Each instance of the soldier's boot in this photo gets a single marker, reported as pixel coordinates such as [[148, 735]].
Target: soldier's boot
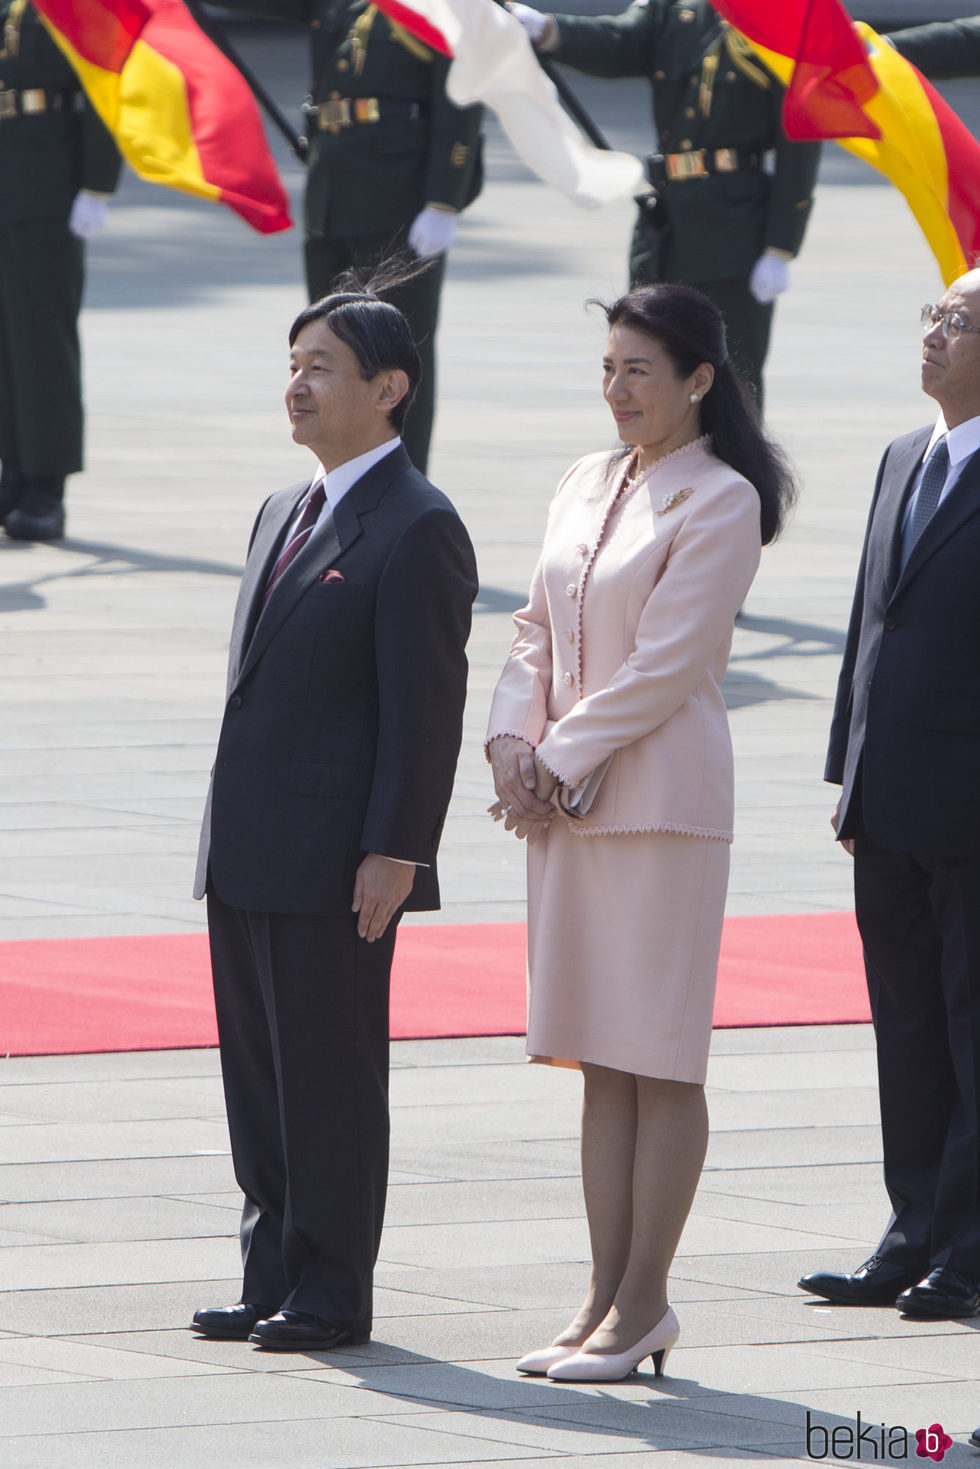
[[40, 516], [11, 488]]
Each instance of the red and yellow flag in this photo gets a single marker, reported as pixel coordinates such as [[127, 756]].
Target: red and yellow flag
[[180, 112], [842, 81]]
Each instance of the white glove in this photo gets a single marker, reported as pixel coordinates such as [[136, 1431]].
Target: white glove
[[536, 24], [769, 278], [88, 215], [432, 231]]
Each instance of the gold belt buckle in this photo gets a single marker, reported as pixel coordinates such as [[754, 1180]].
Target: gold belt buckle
[[366, 109], [686, 166], [333, 115], [33, 100], [726, 160], [8, 105]]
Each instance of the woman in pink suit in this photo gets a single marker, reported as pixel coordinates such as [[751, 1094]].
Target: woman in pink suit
[[611, 753]]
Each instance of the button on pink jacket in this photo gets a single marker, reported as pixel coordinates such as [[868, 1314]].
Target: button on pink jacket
[[624, 642]]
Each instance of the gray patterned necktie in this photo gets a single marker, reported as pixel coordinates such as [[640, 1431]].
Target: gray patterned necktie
[[927, 498]]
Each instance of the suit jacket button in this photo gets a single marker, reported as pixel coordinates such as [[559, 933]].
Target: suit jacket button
[[567, 678], [236, 701], [571, 590], [890, 624]]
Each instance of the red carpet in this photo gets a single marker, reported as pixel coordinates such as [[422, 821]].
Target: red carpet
[[61, 996]]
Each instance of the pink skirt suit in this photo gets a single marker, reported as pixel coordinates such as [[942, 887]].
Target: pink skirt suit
[[620, 653]]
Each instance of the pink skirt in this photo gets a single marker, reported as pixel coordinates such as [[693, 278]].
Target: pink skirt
[[623, 939]]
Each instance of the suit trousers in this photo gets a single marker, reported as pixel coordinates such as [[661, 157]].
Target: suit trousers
[[418, 298], [41, 280], [919, 919], [302, 1006]]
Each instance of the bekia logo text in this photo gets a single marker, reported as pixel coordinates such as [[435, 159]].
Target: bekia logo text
[[874, 1441]]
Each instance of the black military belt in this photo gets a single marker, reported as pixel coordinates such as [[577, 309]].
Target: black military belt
[[33, 100], [702, 163], [344, 112]]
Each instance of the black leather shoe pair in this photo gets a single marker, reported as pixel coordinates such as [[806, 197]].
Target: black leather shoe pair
[[229, 1323], [875, 1283], [942, 1295], [296, 1331]]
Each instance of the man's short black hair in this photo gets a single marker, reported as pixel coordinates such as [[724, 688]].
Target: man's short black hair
[[376, 332]]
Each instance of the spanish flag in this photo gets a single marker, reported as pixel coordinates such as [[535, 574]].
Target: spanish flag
[[842, 81], [180, 113]]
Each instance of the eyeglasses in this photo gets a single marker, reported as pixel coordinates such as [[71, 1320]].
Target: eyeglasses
[[953, 322]]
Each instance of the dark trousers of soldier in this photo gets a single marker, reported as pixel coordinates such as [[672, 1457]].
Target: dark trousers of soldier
[[748, 324], [417, 298], [41, 280]]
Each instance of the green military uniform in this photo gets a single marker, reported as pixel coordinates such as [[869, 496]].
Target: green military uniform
[[385, 141], [718, 209], [942, 50], [51, 145]]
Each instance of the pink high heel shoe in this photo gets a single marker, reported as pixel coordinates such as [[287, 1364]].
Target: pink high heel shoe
[[614, 1366], [536, 1364]]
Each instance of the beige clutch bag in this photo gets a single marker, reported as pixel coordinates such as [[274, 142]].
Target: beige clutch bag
[[577, 801]]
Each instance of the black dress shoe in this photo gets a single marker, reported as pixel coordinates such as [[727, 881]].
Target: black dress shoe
[[943, 1294], [295, 1331], [228, 1323], [975, 1438], [875, 1283], [42, 525]]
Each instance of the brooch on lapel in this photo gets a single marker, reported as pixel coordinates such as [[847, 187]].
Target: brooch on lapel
[[674, 498], [331, 575]]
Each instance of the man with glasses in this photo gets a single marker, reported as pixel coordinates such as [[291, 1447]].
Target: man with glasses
[[905, 746]]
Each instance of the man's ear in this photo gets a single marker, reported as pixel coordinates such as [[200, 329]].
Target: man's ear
[[392, 387]]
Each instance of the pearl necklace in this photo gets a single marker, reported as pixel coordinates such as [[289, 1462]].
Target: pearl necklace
[[631, 481]]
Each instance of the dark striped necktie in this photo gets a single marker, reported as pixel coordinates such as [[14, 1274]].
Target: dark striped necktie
[[927, 496], [299, 538]]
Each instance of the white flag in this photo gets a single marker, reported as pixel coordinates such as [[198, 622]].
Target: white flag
[[494, 63]]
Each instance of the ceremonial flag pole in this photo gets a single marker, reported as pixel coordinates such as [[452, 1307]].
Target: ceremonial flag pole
[[214, 32]]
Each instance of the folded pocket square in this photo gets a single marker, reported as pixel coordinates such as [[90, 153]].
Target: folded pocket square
[[331, 575]]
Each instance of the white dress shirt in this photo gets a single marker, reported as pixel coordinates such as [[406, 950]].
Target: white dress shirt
[[336, 482]]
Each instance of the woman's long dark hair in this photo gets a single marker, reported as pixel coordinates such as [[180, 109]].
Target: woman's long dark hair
[[690, 329]]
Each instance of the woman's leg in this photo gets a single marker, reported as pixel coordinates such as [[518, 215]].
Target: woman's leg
[[608, 1150], [671, 1140]]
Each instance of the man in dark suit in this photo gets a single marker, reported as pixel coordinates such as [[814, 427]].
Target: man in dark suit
[[334, 770], [905, 746]]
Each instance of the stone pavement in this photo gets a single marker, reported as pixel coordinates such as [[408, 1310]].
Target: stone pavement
[[121, 1208]]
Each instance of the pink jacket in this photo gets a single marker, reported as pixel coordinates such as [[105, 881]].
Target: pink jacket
[[624, 642]]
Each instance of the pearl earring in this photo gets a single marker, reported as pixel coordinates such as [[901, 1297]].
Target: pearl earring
[[695, 398]]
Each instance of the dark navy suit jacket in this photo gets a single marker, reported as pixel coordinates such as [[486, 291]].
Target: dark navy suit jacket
[[906, 726], [345, 698]]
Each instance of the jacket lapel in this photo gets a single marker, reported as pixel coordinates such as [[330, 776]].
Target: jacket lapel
[[960, 504], [262, 555], [901, 471], [335, 533]]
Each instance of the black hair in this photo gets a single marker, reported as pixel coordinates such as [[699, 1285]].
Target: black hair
[[376, 331], [690, 329]]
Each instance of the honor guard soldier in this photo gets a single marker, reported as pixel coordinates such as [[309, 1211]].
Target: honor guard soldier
[[391, 164], [57, 165], [942, 50], [717, 217]]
